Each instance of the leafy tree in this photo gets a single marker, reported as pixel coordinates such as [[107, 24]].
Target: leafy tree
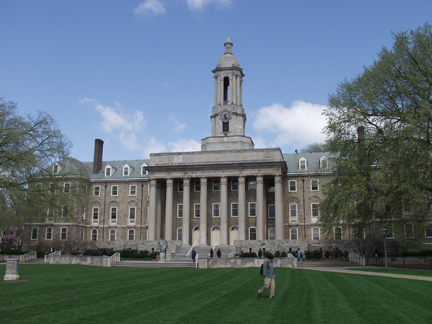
[[314, 147], [379, 125], [30, 190]]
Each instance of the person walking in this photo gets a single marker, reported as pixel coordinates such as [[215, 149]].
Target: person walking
[[219, 253], [269, 277], [260, 253], [299, 255], [193, 254], [240, 253], [104, 253], [211, 253]]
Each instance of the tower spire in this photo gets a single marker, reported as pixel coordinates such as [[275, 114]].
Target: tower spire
[[228, 46]]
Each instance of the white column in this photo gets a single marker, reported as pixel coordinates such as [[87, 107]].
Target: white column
[[221, 89], [158, 211], [233, 89], [242, 208], [238, 90], [279, 223], [169, 210], [216, 90], [186, 212], [224, 211], [259, 207], [203, 212], [151, 218]]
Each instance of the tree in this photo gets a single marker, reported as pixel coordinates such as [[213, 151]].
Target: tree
[[379, 125], [30, 190], [314, 147]]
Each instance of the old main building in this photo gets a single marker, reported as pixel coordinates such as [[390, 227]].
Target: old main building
[[229, 193]]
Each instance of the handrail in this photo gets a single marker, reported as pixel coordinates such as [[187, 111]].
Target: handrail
[[193, 245], [196, 261]]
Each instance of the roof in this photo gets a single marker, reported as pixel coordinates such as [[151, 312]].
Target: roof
[[312, 159]]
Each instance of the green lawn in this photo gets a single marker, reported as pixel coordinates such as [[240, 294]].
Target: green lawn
[[83, 294]]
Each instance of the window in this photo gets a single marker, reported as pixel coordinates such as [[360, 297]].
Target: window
[[65, 211], [144, 169], [51, 213], [197, 210], [315, 234], [389, 233], [114, 190], [293, 233], [96, 191], [132, 215], [82, 234], [272, 234], [292, 185], [95, 214], [131, 235], [234, 210], [252, 209], [132, 190], [51, 188], [66, 188], [108, 171], [409, 230], [234, 185], [197, 185], [324, 163], [180, 186], [125, 171], [48, 235], [271, 211], [315, 210], [180, 210], [293, 210], [271, 186], [216, 185], [302, 164], [252, 185], [39, 187], [216, 210], [94, 236], [112, 235], [338, 233], [63, 234], [252, 234], [113, 214], [429, 230], [314, 185], [34, 235], [179, 234], [56, 168], [225, 127]]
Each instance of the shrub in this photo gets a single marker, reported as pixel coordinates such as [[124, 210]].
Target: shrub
[[249, 255], [13, 252], [315, 254], [277, 254], [284, 254], [40, 253]]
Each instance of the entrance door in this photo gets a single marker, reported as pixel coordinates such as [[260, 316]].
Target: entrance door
[[196, 235], [233, 234], [215, 236]]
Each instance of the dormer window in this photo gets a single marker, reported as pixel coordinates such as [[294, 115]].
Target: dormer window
[[324, 163], [108, 171], [56, 168], [303, 164], [125, 170], [144, 169]]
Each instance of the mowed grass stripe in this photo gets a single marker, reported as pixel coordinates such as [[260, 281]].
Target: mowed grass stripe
[[71, 294]]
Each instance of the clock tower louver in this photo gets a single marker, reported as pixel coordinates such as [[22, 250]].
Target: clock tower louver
[[228, 118]]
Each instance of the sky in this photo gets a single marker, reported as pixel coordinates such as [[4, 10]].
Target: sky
[[137, 74]]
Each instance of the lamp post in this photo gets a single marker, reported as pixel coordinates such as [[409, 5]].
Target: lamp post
[[384, 230]]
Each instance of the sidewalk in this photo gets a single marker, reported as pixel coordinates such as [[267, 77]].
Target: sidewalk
[[365, 273]]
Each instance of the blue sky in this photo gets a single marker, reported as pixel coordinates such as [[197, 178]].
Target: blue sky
[[137, 74]]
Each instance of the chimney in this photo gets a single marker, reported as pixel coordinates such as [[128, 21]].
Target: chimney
[[97, 162]]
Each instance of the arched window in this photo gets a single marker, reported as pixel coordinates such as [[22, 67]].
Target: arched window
[[112, 235], [94, 236]]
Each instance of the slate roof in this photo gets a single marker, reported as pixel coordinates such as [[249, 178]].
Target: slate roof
[[313, 162]]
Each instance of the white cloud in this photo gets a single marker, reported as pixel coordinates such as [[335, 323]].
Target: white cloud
[[183, 145], [115, 121], [300, 124], [153, 146], [200, 4], [176, 126], [148, 7]]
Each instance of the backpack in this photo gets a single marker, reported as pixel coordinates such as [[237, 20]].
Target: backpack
[[262, 268]]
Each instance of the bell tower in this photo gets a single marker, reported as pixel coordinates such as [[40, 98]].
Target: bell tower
[[228, 118]]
